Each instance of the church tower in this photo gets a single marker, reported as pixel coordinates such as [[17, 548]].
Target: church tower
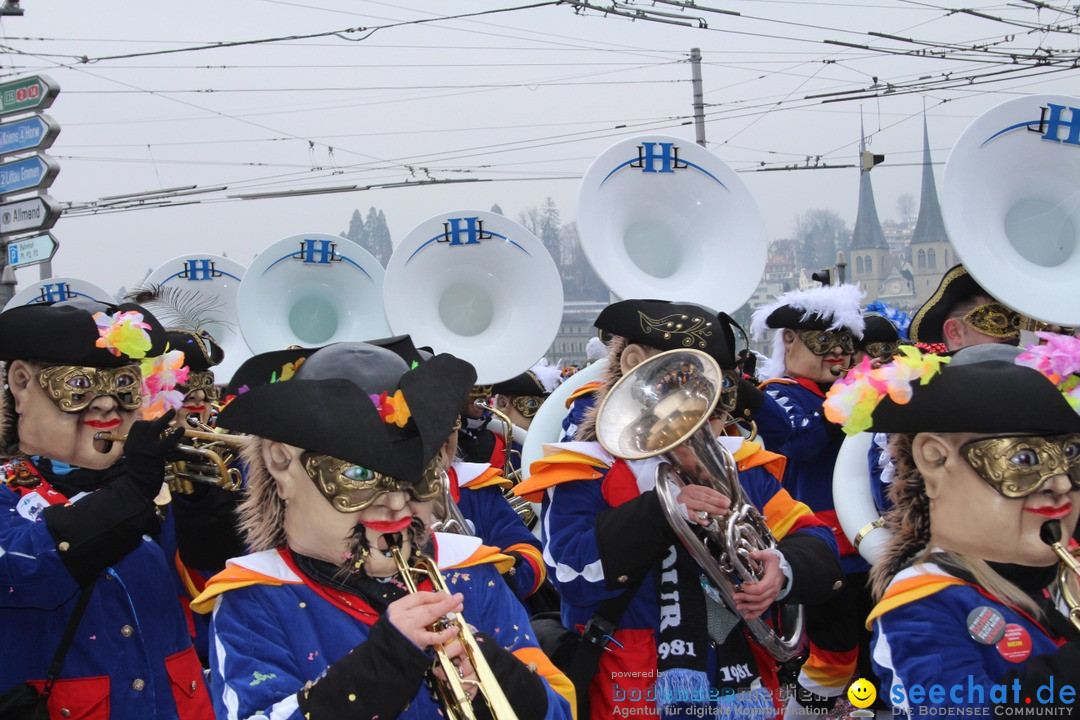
[[931, 252], [870, 260]]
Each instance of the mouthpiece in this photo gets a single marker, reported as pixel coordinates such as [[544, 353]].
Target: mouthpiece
[[1050, 532]]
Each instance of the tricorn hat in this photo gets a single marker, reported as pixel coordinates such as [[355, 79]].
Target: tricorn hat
[[360, 403], [200, 350], [829, 307], [878, 329], [672, 326], [956, 286], [67, 333]]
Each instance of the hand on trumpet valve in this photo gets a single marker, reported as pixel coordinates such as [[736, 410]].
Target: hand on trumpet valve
[[456, 652], [702, 502], [417, 616], [754, 598]]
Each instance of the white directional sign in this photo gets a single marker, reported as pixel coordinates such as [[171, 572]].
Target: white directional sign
[[32, 250], [38, 213]]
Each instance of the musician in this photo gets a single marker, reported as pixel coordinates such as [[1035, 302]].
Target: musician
[[201, 354], [519, 398], [961, 313], [605, 535], [960, 588], [80, 530], [879, 340], [476, 443], [814, 343], [316, 622]]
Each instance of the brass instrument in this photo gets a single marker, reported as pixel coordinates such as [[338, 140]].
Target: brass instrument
[[452, 691], [447, 515], [520, 505], [209, 450], [662, 407], [1068, 577]]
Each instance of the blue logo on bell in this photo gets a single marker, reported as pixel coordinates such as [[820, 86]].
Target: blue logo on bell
[[1050, 124], [659, 158], [473, 231], [200, 269], [321, 252], [54, 292]]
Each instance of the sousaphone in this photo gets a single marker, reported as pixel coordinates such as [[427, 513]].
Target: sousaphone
[[311, 290], [479, 286], [212, 282], [661, 217], [58, 289]]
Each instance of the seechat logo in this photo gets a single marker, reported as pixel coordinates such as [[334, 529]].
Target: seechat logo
[[659, 158], [1056, 123]]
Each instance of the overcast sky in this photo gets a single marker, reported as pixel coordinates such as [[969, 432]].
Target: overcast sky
[[526, 98]]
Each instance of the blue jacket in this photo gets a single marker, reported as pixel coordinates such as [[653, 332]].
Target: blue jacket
[[274, 632], [132, 655]]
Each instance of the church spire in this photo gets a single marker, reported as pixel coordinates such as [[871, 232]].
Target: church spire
[[929, 227], [867, 234]]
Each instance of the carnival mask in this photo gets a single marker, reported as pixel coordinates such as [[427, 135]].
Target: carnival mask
[[201, 381], [822, 342], [1018, 466], [72, 388], [352, 488], [994, 320]]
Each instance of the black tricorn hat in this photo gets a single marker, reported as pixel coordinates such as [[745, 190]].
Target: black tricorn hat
[[671, 326], [927, 326], [524, 384], [200, 351], [994, 396], [329, 407], [878, 329], [65, 333]]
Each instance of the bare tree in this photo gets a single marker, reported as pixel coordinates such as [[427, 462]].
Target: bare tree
[[906, 208]]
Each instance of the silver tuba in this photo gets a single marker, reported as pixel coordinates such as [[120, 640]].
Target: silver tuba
[[662, 408]]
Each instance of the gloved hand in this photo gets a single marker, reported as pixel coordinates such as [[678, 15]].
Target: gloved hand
[[148, 446]]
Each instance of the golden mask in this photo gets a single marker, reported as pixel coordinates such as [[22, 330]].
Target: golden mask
[[883, 351], [351, 488], [527, 405], [995, 320], [822, 342], [72, 388], [729, 390], [1018, 466], [201, 380]]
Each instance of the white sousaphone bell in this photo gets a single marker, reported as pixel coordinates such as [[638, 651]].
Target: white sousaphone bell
[[57, 289], [213, 281], [1010, 198], [479, 286], [311, 290], [661, 217]]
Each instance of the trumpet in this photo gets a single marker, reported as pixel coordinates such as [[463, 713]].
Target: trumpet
[[1068, 577], [452, 691], [519, 504], [208, 449]]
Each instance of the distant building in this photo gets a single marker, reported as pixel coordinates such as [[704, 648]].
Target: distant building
[[870, 259], [574, 332], [931, 252]]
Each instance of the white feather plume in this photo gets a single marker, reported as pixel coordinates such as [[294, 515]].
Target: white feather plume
[[839, 304], [549, 375]]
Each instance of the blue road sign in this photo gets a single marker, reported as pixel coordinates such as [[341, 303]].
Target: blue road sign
[[33, 133], [29, 173]]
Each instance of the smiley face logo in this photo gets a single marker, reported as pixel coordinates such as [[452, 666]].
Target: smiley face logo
[[862, 693]]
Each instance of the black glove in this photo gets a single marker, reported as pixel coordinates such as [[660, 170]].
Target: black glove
[[748, 400], [147, 450]]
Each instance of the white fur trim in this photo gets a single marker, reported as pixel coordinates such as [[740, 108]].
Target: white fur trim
[[549, 376], [775, 366]]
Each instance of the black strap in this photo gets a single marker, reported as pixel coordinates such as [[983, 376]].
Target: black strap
[[65, 642], [599, 631]]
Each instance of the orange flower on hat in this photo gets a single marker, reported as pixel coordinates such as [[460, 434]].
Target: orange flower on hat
[[392, 408]]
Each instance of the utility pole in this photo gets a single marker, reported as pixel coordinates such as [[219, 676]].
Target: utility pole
[[699, 99]]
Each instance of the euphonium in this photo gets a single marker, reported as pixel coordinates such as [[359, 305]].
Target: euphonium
[[452, 693], [1068, 577], [662, 407], [214, 450], [447, 515], [520, 505]]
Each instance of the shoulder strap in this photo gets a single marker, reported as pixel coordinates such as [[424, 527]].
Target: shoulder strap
[[65, 642]]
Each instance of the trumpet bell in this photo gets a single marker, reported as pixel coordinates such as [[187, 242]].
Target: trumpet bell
[[58, 289], [1010, 199], [661, 217], [216, 281], [311, 290], [479, 286]]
